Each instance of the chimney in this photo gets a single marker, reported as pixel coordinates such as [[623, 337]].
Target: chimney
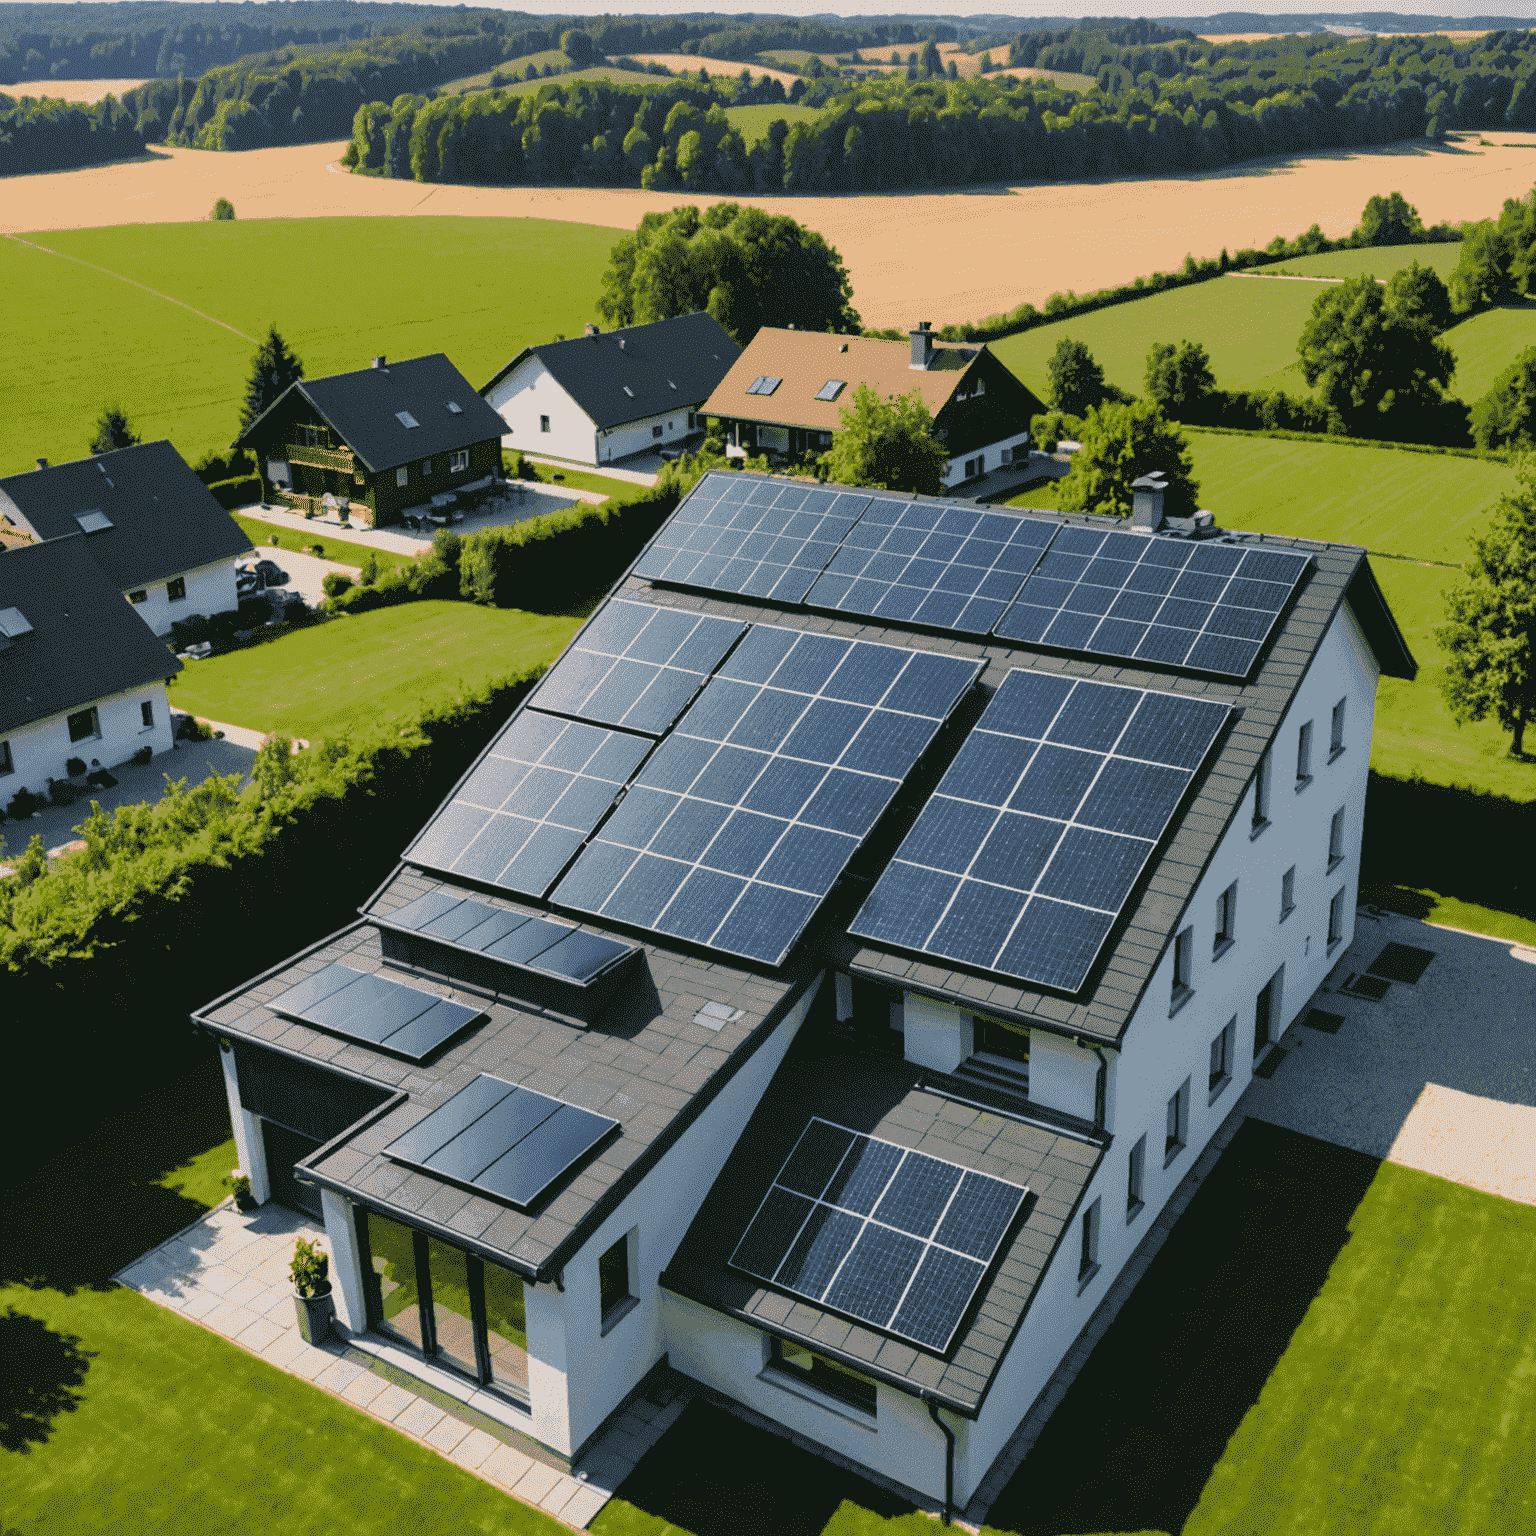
[[1147, 502], [1205, 525], [592, 330], [42, 463], [922, 345], [622, 342], [378, 362]]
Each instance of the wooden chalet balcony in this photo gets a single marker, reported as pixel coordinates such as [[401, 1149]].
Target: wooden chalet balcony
[[321, 458]]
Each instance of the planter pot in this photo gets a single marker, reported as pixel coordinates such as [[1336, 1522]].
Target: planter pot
[[245, 1206], [314, 1314]]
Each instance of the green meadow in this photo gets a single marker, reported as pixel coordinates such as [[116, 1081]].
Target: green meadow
[[165, 319], [752, 123]]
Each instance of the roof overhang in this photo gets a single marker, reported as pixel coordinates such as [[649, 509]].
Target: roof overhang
[[1369, 605]]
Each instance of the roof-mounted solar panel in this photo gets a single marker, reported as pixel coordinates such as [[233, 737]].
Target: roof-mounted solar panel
[[375, 1010], [94, 521]]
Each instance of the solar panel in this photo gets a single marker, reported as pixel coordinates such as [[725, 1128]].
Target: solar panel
[[637, 666], [530, 803], [1023, 857], [753, 538], [746, 815], [502, 1140], [932, 562], [888, 1236], [375, 1010], [1168, 602]]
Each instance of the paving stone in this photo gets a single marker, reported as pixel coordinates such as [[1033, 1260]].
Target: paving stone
[[391, 1402], [309, 1362], [420, 1418], [535, 1483], [579, 1509], [228, 1319], [445, 1434], [247, 1292], [560, 1494], [200, 1304], [260, 1336], [365, 1389], [506, 1465], [474, 1449], [217, 1280], [338, 1376]]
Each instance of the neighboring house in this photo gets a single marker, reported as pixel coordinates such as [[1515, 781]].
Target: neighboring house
[[378, 442], [601, 397], [827, 976], [151, 525], [80, 676], [787, 391]]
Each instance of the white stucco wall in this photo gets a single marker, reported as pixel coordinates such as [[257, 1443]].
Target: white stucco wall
[[1062, 1075], [210, 590], [936, 1035], [40, 750], [992, 453]]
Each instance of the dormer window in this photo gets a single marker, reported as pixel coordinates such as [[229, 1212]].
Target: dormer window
[[406, 419], [763, 384], [831, 389], [93, 521]]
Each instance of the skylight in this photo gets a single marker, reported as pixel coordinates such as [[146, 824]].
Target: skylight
[[831, 389], [628, 391], [763, 384], [406, 419], [455, 408], [93, 521], [13, 622]]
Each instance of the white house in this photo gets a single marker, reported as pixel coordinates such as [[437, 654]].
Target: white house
[[849, 1103], [604, 396], [151, 525], [80, 677]]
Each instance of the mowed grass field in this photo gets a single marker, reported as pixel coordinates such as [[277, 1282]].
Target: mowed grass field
[[752, 123], [83, 332]]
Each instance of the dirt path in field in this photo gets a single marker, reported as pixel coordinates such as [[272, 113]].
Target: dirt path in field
[[943, 256], [85, 91]]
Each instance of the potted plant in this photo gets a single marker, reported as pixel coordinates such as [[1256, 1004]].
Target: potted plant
[[311, 1290], [240, 1186]]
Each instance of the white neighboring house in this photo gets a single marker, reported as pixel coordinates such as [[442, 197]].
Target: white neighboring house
[[152, 526], [80, 677], [603, 396], [1096, 1094]]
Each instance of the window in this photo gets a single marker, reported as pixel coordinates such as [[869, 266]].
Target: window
[[1183, 962], [1177, 1135], [1088, 1259], [402, 475], [454, 408], [1336, 919], [314, 437], [693, 420], [615, 1295], [655, 431], [406, 419], [147, 714], [426, 467], [83, 725], [1226, 921], [1287, 893], [1336, 840], [831, 389], [1135, 1178], [458, 461], [1261, 796], [1336, 730], [823, 1375], [141, 596], [543, 423], [1304, 756], [763, 384], [6, 763], [1221, 1060], [176, 589]]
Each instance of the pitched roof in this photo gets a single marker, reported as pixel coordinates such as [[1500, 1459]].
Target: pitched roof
[[365, 407], [805, 362], [641, 370], [85, 643], [160, 519]]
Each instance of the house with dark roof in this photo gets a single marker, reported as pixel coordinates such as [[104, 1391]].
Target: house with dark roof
[[152, 526], [828, 975], [377, 442], [80, 676], [786, 393], [604, 396]]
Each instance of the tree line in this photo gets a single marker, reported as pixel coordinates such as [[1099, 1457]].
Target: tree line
[[52, 135]]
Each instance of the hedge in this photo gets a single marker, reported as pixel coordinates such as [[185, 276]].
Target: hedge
[[244, 492]]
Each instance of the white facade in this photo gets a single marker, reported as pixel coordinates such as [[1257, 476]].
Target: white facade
[[40, 750], [965, 467], [543, 419], [208, 590]]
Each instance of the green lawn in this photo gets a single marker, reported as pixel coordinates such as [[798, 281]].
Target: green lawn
[[1487, 344], [181, 376], [586, 480], [609, 72], [1379, 261], [752, 123], [344, 551], [354, 671]]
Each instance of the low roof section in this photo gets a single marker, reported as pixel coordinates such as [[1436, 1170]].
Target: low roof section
[[639, 371], [807, 362], [67, 638], [391, 413], [647, 1062], [146, 515]]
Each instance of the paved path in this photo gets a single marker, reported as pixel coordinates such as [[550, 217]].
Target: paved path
[[228, 1272]]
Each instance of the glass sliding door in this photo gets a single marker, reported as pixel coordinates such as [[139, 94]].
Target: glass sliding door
[[506, 1331], [452, 1308], [395, 1279]]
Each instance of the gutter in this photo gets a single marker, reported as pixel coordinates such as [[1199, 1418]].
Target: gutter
[[949, 1456]]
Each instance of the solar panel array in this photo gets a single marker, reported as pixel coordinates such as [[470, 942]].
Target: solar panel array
[[877, 1232], [375, 1010], [637, 666], [743, 819], [1026, 853], [530, 803], [517, 938], [1167, 602], [924, 562], [502, 1140]]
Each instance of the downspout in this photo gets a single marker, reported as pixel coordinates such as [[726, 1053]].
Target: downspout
[[949, 1457], [1101, 1082]]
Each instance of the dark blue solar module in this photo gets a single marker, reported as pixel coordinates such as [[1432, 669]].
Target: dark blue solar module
[[530, 803], [376, 1010], [637, 666], [1166, 602], [753, 538], [813, 1235], [505, 1141], [933, 563], [746, 815], [1026, 853]]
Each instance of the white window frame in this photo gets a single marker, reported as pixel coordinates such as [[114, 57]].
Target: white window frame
[[1176, 1129], [1226, 922], [1088, 1256], [1336, 920], [458, 461], [1183, 970], [1261, 796], [94, 734], [403, 475], [1336, 729], [1287, 893], [1304, 756], [1135, 1180], [147, 714], [1220, 1073], [543, 423], [171, 594], [1336, 840]]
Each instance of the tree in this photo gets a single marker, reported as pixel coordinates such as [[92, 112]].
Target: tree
[[113, 432], [578, 47], [1179, 378], [273, 369], [224, 209], [887, 443], [1506, 416], [929, 62], [1419, 294], [1490, 639], [1077, 382], [1484, 274], [1517, 223], [1390, 220], [1121, 442]]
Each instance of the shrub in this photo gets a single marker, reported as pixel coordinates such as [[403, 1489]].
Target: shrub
[[24, 803], [74, 766], [335, 583], [370, 571], [142, 756], [62, 792], [223, 209], [241, 491], [273, 541]]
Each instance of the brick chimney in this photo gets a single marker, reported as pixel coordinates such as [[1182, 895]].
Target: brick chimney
[[378, 362], [42, 463], [922, 346], [1147, 502]]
